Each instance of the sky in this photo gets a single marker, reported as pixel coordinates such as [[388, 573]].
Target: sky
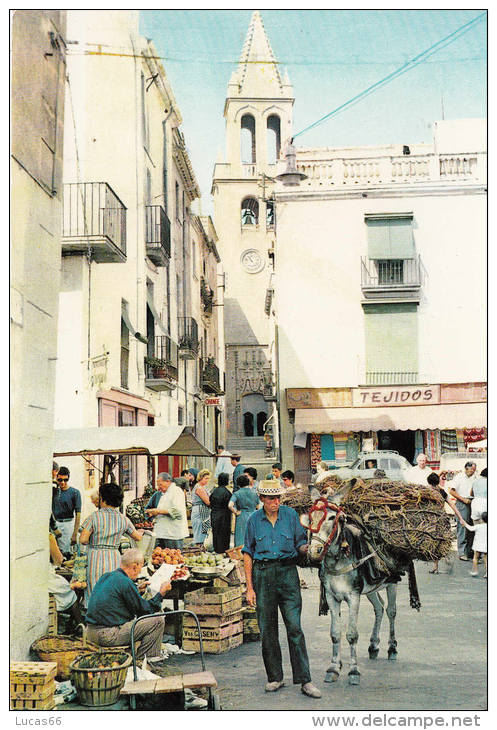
[[330, 55]]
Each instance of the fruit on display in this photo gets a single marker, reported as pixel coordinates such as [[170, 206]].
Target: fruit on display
[[144, 525], [180, 573], [167, 555], [78, 584], [209, 560]]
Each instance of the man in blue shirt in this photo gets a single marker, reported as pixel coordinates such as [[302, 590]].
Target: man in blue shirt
[[238, 469], [66, 508], [115, 602], [273, 539]]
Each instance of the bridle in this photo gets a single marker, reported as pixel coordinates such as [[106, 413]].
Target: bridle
[[322, 505]]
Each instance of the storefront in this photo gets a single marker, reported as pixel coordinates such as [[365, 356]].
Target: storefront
[[334, 424]]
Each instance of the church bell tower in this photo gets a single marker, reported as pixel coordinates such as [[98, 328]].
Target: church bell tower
[[258, 113]]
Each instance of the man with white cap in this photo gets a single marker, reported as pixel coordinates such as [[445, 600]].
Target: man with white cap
[[273, 539]]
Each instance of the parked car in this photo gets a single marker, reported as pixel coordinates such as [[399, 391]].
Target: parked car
[[391, 462], [453, 461]]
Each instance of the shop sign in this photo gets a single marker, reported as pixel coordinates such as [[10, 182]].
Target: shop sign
[[214, 401], [396, 395]]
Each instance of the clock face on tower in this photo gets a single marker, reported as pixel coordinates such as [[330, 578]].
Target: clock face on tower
[[252, 261]]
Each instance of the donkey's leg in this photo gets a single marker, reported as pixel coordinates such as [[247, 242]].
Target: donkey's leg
[[378, 605], [333, 671], [352, 635], [391, 613]]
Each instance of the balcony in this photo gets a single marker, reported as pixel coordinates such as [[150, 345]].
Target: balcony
[[157, 235], [391, 279], [209, 377], [188, 338], [391, 378], [93, 219], [207, 296], [161, 367]]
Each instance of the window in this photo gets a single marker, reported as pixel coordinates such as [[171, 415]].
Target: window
[[194, 258], [124, 349], [250, 212], [180, 415], [391, 333], [176, 199], [164, 164], [273, 139], [127, 464], [390, 237], [247, 137], [270, 214]]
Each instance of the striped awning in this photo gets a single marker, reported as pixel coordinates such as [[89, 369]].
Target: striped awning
[[446, 416]]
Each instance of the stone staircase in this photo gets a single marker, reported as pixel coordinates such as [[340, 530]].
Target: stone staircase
[[253, 453]]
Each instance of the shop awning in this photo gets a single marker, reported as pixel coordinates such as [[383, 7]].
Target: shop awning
[[335, 420], [146, 440]]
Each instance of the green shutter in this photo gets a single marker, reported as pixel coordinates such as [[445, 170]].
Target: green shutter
[[390, 238], [391, 337]]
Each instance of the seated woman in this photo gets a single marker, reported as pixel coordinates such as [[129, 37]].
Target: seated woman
[[102, 532], [243, 503], [220, 514]]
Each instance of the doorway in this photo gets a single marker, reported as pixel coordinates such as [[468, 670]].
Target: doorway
[[255, 414], [401, 441]]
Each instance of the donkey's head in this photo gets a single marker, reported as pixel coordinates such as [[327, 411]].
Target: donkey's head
[[324, 522]]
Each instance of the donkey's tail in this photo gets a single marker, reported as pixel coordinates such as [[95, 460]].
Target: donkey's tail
[[413, 587]]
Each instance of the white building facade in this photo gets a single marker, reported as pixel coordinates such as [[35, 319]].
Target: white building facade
[[380, 299], [129, 343]]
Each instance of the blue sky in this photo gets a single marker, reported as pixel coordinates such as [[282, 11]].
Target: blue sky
[[331, 55]]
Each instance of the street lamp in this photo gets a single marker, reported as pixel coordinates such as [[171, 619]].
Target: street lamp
[[291, 176]]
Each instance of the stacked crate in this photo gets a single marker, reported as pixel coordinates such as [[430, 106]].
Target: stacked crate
[[219, 611], [32, 685]]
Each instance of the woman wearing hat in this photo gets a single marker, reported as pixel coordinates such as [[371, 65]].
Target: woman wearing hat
[[273, 539]]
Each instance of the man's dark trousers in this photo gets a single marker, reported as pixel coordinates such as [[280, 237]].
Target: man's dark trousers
[[276, 585]]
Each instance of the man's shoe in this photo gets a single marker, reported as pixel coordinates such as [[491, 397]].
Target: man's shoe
[[474, 573], [310, 690], [464, 557], [273, 686], [193, 702]]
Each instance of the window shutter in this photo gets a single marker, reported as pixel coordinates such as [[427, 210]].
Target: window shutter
[[390, 238], [391, 337]]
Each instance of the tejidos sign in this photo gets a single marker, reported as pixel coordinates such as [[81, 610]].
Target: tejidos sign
[[396, 395]]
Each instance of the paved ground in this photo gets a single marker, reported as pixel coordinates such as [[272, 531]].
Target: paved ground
[[441, 663]]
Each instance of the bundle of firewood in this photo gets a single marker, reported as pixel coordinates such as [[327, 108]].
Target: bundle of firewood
[[406, 519], [297, 497]]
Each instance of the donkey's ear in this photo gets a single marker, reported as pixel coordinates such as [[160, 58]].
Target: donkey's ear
[[304, 520], [341, 494]]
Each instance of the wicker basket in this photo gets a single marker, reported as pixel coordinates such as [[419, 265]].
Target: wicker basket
[[52, 615], [100, 687], [63, 650]]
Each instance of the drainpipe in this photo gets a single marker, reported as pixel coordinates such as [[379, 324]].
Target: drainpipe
[[139, 258]]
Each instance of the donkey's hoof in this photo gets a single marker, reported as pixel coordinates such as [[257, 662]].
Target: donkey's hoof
[[392, 655], [331, 676], [373, 653], [354, 677]]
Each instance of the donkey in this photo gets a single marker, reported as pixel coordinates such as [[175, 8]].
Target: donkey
[[350, 567]]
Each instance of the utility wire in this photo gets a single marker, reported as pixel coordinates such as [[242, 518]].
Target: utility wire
[[420, 58]]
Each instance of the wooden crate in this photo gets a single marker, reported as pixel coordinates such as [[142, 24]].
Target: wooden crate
[[31, 691], [212, 609], [213, 595], [214, 646], [32, 672], [47, 704], [214, 633], [212, 622]]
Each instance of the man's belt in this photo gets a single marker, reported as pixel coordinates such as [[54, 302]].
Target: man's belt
[[64, 519], [277, 561]]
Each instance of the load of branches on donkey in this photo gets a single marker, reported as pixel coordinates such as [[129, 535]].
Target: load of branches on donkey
[[365, 536]]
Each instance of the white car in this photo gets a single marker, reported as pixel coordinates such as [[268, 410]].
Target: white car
[[392, 463]]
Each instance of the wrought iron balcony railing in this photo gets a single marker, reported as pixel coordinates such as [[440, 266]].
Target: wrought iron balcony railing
[[94, 218], [188, 338], [209, 377], [157, 235], [162, 366], [391, 277], [391, 378]]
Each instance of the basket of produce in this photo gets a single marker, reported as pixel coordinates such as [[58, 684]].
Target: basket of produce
[[99, 677], [63, 650], [206, 565], [166, 555], [136, 513]]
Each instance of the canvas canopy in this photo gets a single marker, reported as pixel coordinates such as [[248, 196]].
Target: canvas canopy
[[146, 440]]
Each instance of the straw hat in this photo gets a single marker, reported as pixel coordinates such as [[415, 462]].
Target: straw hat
[[270, 488]]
